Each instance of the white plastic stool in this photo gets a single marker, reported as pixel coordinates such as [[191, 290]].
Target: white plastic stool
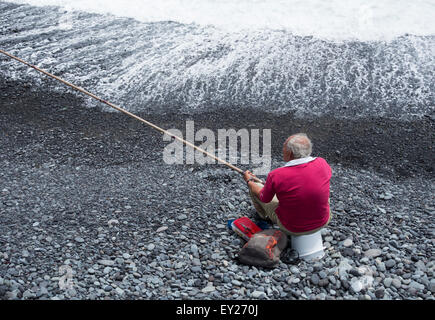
[[309, 246]]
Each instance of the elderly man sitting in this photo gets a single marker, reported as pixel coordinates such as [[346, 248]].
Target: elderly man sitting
[[295, 196]]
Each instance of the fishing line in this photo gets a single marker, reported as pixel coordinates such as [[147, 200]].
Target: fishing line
[[129, 114]]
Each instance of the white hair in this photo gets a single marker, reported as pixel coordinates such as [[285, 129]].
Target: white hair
[[300, 146]]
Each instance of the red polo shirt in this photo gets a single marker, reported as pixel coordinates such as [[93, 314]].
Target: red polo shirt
[[303, 193]]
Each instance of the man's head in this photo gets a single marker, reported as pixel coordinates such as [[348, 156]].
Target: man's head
[[297, 146]]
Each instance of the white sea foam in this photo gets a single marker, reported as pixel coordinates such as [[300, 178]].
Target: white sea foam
[[333, 19], [165, 66]]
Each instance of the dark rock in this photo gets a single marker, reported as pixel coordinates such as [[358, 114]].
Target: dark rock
[[323, 282], [347, 252], [354, 272], [3, 290], [379, 293]]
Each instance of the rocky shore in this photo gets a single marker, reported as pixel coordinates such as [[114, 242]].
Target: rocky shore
[[89, 210]]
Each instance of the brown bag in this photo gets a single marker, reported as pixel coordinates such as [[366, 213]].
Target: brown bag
[[263, 248]]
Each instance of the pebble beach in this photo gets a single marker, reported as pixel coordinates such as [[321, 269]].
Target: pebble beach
[[89, 210]]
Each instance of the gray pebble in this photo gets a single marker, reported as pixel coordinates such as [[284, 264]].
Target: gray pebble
[[196, 269], [315, 279], [236, 283], [182, 217], [432, 285], [161, 229], [323, 282], [381, 266], [322, 274], [373, 253], [194, 249], [417, 286], [390, 263], [28, 294], [258, 294], [347, 242], [112, 222], [396, 283], [294, 270], [105, 262], [356, 285], [119, 291], [387, 282], [208, 289]]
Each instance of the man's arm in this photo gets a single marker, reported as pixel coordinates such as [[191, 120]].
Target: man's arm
[[263, 193], [254, 187]]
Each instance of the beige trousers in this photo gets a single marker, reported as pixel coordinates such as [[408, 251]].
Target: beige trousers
[[267, 211]]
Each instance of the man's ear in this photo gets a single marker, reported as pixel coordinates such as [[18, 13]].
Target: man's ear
[[288, 155]]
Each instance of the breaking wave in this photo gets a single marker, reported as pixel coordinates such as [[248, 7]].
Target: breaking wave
[[347, 58]]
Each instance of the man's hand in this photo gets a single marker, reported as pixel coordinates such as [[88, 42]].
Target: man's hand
[[253, 187], [248, 175]]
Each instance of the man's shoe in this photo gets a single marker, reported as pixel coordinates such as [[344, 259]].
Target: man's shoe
[[264, 224]]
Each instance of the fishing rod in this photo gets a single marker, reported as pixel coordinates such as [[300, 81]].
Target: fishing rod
[[129, 114]]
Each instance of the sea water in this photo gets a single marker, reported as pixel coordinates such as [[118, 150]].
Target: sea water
[[346, 58]]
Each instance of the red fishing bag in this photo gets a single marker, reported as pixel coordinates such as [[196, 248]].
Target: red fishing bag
[[245, 228]]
